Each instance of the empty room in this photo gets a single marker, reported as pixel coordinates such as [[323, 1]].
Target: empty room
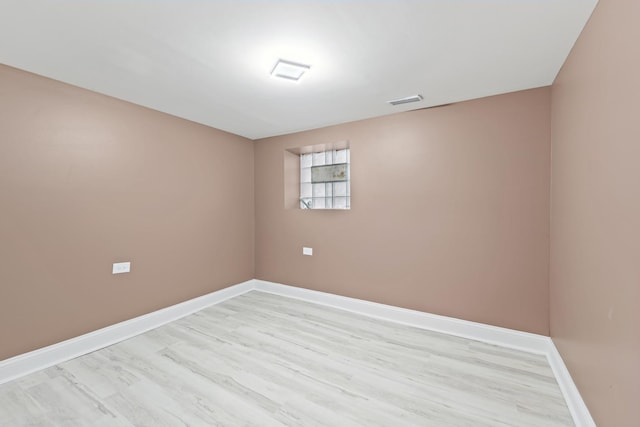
[[319, 213]]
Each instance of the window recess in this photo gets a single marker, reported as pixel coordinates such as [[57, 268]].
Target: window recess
[[318, 177], [325, 180]]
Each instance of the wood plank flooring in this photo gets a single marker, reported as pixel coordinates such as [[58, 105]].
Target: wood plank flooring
[[265, 360]]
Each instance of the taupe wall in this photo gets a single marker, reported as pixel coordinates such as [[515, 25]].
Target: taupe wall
[[595, 215], [87, 180], [450, 212]]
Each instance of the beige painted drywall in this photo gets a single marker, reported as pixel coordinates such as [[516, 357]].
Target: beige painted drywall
[[87, 180], [450, 212], [595, 214]]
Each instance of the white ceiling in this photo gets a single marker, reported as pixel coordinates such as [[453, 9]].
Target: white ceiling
[[209, 61]]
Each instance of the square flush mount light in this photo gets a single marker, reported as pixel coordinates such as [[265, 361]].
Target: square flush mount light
[[289, 70]]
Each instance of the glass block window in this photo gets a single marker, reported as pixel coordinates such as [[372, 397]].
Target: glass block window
[[325, 179]]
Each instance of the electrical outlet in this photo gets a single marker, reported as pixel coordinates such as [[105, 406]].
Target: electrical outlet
[[307, 251], [121, 267]]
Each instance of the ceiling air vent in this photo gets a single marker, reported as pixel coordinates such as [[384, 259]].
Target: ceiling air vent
[[408, 99]]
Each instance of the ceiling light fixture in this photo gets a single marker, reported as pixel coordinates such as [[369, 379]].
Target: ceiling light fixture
[[289, 70], [408, 99]]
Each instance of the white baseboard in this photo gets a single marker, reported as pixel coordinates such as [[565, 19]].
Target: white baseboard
[[36, 360], [577, 407], [504, 337], [524, 341], [45, 357]]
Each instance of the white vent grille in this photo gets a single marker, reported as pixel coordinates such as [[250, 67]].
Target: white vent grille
[[407, 100]]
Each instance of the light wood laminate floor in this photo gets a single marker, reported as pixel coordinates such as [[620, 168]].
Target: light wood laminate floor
[[265, 360]]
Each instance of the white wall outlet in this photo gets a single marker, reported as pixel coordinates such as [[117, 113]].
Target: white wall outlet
[[307, 251], [121, 267]]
